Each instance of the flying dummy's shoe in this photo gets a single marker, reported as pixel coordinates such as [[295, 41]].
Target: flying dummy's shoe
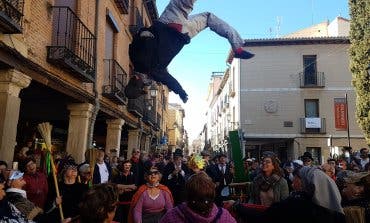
[[242, 54], [135, 88]]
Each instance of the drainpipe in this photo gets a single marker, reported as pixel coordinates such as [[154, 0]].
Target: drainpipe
[[95, 89]]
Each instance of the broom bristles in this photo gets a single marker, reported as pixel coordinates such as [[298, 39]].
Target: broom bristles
[[45, 131]]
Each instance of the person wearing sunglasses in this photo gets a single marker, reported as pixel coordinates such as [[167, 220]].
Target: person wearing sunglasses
[[151, 201]]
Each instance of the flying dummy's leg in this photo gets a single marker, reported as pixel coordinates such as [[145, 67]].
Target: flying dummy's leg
[[177, 12], [167, 79], [196, 23]]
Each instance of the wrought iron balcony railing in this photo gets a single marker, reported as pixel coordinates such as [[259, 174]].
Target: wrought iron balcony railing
[[313, 125], [137, 23], [122, 6], [11, 13], [312, 80], [136, 106], [114, 82], [157, 125], [73, 44], [149, 116]]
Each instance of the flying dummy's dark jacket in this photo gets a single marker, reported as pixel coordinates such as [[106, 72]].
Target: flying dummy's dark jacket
[[151, 55]]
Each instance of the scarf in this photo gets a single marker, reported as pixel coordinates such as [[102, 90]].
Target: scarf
[[266, 183], [321, 187], [137, 196], [19, 191]]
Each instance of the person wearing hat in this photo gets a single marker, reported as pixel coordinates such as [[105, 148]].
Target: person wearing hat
[[175, 174], [37, 187], [18, 197], [8, 212], [222, 174], [70, 190], [307, 159]]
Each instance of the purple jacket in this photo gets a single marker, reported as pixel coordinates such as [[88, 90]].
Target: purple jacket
[[177, 214]]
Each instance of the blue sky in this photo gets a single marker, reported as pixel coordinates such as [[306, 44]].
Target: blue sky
[[207, 52]]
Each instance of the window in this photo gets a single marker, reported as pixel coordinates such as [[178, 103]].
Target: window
[[311, 111], [310, 70], [311, 108]]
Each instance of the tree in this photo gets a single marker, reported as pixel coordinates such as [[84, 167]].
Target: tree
[[360, 60]]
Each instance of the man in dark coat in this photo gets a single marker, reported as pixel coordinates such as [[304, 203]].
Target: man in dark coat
[[175, 174], [222, 175], [153, 48]]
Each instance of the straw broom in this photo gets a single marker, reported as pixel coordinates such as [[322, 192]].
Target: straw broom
[[45, 131], [92, 159]]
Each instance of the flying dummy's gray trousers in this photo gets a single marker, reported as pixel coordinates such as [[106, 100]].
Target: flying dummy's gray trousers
[[177, 11]]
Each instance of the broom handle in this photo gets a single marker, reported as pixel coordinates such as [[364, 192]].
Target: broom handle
[[56, 185]]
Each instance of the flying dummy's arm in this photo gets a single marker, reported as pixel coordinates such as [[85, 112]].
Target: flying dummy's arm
[[167, 79]]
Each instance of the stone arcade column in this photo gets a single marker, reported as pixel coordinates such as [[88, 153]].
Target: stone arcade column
[[147, 143], [133, 141], [11, 83], [78, 130], [113, 139]]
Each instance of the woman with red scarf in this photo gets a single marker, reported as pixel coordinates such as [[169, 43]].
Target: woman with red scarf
[[151, 201]]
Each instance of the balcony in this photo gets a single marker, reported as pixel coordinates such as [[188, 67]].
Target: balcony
[[149, 116], [73, 45], [115, 82], [136, 106], [313, 125], [137, 22], [312, 80], [157, 125], [122, 6], [11, 13]]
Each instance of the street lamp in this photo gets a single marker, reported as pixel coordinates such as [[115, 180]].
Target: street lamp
[[153, 90]]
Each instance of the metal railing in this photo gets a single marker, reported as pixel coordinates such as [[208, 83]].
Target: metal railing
[[149, 116], [11, 13], [136, 106], [73, 44], [122, 6], [115, 81], [310, 128], [158, 123], [312, 80], [138, 22]]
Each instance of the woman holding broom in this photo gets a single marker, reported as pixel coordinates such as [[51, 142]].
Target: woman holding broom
[[70, 189]]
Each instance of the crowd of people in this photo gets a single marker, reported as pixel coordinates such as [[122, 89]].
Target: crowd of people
[[170, 187]]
